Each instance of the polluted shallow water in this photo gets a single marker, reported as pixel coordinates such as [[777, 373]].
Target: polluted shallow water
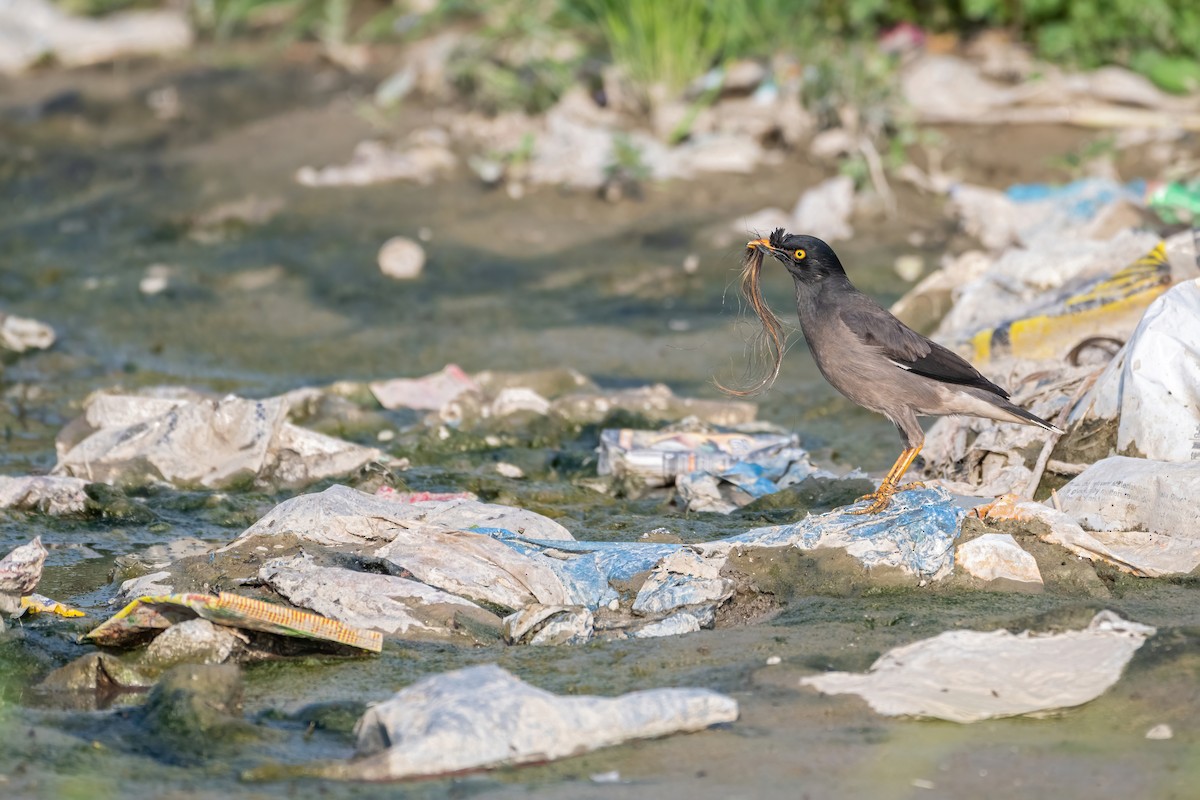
[[314, 504]]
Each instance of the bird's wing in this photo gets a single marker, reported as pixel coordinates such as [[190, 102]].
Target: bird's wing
[[909, 350]]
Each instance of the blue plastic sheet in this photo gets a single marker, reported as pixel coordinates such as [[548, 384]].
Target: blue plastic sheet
[[915, 533]]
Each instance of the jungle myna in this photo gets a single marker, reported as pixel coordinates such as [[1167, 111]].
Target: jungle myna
[[873, 358]]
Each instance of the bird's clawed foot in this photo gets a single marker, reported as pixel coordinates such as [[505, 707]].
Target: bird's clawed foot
[[879, 499], [883, 496]]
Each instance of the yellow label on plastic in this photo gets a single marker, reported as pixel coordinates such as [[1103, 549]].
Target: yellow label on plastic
[[1113, 303]]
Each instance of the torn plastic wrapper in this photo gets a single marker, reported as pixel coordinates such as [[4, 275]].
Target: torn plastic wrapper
[[659, 457], [40, 604], [146, 616]]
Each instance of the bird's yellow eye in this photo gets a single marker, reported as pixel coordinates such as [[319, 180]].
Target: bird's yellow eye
[[799, 255]]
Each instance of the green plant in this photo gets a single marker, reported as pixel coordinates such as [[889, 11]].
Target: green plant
[[523, 56], [657, 42]]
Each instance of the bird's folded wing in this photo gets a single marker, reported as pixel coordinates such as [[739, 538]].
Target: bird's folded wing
[[911, 351]]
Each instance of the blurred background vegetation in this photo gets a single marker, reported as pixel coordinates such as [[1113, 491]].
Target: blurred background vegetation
[[672, 42]]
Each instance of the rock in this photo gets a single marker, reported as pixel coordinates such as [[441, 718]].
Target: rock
[[401, 258], [824, 210], [967, 676], [31, 30], [156, 280], [997, 556], [20, 572], [1160, 732], [483, 717], [508, 470], [20, 334], [46, 494], [193, 641], [909, 267], [831, 144], [424, 158], [95, 673], [195, 712], [146, 585]]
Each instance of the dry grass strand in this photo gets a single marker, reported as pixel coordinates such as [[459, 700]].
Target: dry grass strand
[[770, 343]]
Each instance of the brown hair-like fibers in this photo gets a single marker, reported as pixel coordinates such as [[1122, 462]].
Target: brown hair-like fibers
[[770, 342]]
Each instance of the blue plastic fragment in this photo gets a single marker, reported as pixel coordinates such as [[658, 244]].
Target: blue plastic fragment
[[915, 533]]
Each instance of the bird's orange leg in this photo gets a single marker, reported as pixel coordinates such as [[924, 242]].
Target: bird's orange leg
[[883, 495]]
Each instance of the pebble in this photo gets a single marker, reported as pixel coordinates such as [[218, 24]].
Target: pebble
[[774, 661], [510, 470], [156, 280], [909, 267], [401, 258], [1160, 732]]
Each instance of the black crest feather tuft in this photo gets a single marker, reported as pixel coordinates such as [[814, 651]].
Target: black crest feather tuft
[[777, 237]]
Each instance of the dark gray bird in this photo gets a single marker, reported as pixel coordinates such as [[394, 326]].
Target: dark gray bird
[[871, 357]]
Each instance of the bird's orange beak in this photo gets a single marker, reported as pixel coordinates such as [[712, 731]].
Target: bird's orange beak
[[757, 244]]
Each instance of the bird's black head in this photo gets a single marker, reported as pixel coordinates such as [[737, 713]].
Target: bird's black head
[[808, 258]]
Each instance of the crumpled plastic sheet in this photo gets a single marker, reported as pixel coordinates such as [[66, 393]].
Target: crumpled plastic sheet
[[985, 458], [659, 457], [587, 568], [1153, 384], [428, 393], [1140, 514], [483, 717], [713, 470], [491, 563], [724, 491], [394, 605], [461, 400], [549, 625], [191, 439], [341, 515], [968, 676], [915, 533]]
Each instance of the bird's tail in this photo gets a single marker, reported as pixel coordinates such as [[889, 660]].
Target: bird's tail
[[1031, 419]]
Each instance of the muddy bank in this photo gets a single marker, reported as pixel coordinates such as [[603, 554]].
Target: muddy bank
[[557, 279]]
